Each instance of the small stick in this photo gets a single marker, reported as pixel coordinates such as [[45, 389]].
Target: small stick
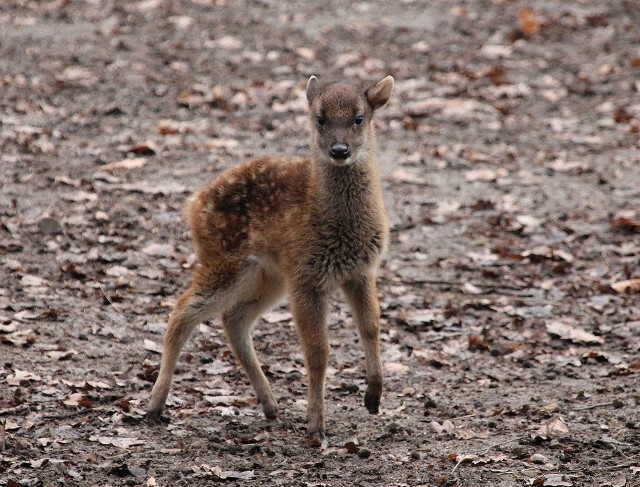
[[72, 414], [445, 282], [594, 406]]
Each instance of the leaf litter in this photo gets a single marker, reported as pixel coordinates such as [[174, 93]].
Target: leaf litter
[[507, 297]]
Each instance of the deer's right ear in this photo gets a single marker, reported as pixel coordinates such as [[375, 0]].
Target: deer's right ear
[[312, 88]]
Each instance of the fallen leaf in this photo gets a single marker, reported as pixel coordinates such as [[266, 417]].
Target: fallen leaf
[[500, 457], [158, 250], [539, 458], [494, 51], [21, 376], [556, 480], [79, 399], [467, 434], [30, 280], [147, 148], [117, 271], [395, 368], [630, 286], [446, 427], [529, 25], [555, 427], [119, 442], [627, 224], [306, 53], [481, 174], [618, 481], [229, 42], [9, 328], [80, 196], [528, 221], [152, 346], [572, 333], [171, 187], [133, 163], [277, 316], [469, 288], [404, 176], [228, 400], [61, 355]]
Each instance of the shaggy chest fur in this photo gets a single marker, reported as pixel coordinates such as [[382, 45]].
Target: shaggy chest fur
[[349, 231], [341, 249]]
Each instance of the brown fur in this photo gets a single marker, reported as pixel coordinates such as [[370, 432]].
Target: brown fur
[[300, 225]]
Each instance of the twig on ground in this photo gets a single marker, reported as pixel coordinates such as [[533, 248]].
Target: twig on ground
[[72, 414], [595, 406]]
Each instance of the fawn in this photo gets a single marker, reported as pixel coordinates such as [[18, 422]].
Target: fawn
[[301, 225]]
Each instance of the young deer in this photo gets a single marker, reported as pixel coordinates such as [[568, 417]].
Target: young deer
[[304, 225]]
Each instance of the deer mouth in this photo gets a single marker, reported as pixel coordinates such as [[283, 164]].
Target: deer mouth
[[341, 162]]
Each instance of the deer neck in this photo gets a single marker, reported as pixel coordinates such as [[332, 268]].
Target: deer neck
[[348, 194]]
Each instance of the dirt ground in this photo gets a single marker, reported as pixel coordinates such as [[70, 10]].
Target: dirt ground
[[511, 163]]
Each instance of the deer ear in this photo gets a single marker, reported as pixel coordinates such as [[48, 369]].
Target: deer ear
[[378, 95], [312, 88]]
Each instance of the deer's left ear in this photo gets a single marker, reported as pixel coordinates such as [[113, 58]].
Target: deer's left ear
[[312, 88], [378, 95]]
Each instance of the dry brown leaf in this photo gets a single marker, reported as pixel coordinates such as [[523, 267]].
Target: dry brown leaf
[[627, 224], [529, 24], [78, 399], [147, 148]]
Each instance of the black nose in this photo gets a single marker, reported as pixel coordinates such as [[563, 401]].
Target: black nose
[[339, 151]]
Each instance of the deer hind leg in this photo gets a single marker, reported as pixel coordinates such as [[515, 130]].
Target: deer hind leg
[[238, 324], [362, 297], [209, 294]]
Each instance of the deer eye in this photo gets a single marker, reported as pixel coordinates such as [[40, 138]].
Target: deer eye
[[359, 119], [320, 121]]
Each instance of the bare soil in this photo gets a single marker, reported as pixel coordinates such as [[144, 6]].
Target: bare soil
[[510, 155]]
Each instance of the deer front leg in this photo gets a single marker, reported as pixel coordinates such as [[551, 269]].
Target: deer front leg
[[309, 308], [363, 299]]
